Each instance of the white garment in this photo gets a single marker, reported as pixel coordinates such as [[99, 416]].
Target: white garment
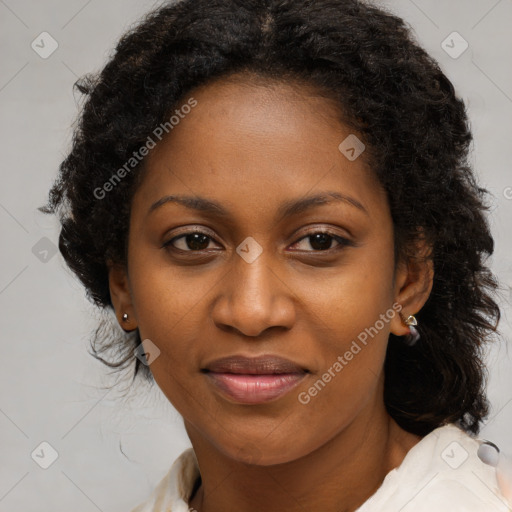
[[441, 473]]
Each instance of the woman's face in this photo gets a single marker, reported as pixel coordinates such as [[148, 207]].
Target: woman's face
[[259, 279]]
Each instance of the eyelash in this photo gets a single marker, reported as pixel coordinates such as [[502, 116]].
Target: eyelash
[[343, 242]]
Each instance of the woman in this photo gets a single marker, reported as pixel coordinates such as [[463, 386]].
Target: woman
[[274, 198]]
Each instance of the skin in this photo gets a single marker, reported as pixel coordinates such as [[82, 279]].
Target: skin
[[250, 148]]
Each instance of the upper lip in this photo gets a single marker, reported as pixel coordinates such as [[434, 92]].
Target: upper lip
[[260, 365]]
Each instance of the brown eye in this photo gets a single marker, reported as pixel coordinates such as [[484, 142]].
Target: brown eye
[[190, 242], [322, 241]]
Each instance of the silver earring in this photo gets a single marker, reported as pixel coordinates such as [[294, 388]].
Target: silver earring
[[125, 317], [413, 336]]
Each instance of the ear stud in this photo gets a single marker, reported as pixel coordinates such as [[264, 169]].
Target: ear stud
[[413, 336]]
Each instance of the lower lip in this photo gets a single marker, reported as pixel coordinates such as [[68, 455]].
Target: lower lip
[[255, 389]]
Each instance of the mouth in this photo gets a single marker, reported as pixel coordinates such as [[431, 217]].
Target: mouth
[[254, 380]]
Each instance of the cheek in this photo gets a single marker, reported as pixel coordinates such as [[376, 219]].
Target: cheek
[[166, 298], [356, 325], [165, 305], [356, 308], [353, 299]]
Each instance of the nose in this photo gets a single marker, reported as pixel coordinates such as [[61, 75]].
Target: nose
[[254, 297]]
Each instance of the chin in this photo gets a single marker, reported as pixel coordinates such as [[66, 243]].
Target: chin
[[261, 454]]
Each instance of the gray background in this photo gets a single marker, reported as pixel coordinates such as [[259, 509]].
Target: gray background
[[113, 450]]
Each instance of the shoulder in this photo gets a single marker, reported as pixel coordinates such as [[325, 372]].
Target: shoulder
[[173, 491], [448, 470]]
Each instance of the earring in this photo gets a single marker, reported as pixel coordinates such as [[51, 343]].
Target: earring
[[413, 336], [125, 317]]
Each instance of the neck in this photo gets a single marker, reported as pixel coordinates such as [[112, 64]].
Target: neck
[[337, 477]]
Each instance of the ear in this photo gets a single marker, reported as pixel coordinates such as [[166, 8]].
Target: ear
[[120, 295], [413, 283]]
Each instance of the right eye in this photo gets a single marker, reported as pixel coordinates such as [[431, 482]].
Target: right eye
[[191, 241]]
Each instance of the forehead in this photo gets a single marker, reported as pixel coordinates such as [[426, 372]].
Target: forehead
[[257, 143]]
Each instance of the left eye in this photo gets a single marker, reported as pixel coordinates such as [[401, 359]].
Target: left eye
[[321, 241]]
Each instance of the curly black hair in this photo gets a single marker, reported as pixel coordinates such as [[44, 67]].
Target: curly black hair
[[388, 88]]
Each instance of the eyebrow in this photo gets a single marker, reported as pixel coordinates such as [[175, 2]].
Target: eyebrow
[[285, 210]]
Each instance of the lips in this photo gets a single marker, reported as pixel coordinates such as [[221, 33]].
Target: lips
[[261, 365], [254, 380]]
